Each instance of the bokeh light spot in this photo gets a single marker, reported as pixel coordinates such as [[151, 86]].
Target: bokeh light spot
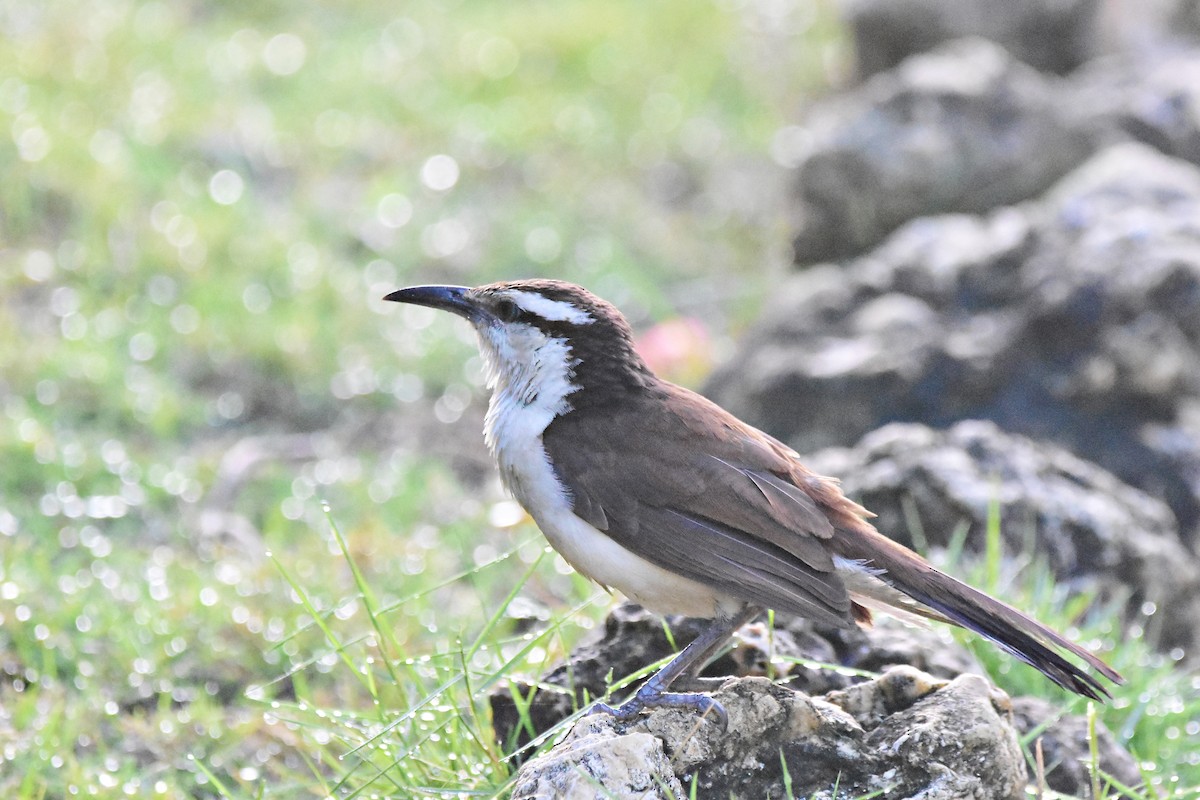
[[284, 54], [226, 187], [439, 172], [394, 210]]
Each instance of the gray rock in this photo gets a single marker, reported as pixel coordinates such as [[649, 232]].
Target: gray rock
[[1075, 319], [1153, 98], [962, 128], [930, 649], [906, 732], [797, 653], [594, 764], [1066, 749], [1142, 26], [1185, 19], [1092, 529], [1049, 35]]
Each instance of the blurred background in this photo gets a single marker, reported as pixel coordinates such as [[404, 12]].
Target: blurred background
[[202, 205]]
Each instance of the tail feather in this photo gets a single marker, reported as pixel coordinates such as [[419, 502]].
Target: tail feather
[[1021, 635]]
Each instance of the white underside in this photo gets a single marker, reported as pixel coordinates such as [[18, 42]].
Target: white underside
[[603, 560]]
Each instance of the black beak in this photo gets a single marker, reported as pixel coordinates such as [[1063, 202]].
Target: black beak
[[448, 298]]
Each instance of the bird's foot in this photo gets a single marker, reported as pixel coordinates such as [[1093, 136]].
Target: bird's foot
[[702, 703]]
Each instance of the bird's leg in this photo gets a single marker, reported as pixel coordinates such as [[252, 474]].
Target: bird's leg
[[689, 662]]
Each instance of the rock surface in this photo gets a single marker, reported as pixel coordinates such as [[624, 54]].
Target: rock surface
[[971, 124], [825, 721], [1049, 35], [906, 732], [1153, 98], [592, 762], [801, 655], [963, 128]]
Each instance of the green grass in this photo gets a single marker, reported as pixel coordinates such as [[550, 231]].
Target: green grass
[[202, 205], [1155, 715]]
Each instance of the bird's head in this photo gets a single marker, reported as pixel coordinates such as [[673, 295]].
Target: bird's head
[[533, 330]]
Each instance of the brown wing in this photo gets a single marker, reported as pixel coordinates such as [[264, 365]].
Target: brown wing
[[724, 512], [747, 517]]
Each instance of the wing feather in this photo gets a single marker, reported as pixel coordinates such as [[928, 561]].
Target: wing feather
[[720, 514]]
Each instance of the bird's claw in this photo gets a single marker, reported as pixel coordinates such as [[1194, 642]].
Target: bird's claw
[[705, 705]]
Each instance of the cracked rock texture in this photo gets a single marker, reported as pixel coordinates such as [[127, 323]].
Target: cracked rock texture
[[827, 721], [592, 762], [633, 637], [905, 732]]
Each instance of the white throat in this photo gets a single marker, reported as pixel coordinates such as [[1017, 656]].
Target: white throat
[[529, 374]]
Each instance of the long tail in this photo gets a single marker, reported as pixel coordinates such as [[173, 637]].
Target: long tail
[[951, 599]]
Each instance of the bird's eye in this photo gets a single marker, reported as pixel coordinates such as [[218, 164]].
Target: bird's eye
[[507, 310]]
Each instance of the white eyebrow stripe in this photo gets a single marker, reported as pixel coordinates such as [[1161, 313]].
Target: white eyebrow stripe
[[550, 310]]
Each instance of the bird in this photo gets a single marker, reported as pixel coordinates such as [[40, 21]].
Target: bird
[[652, 489]]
